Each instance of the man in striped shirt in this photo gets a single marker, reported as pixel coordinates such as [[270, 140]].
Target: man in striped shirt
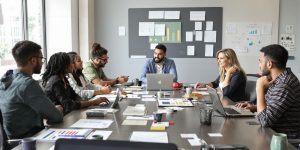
[[278, 92]]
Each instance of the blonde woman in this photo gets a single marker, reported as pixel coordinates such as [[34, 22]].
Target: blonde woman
[[232, 78]]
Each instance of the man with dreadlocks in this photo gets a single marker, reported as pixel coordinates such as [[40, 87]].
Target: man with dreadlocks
[[23, 103], [58, 88]]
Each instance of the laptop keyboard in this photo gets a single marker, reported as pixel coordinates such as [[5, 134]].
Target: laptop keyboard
[[231, 111]]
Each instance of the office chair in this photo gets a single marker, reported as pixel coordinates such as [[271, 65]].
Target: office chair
[[5, 143], [250, 87], [3, 137], [79, 144]]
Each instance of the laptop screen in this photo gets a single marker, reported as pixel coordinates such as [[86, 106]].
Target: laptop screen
[[157, 82], [217, 104]]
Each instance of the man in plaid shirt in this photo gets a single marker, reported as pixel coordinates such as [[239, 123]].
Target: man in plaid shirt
[[278, 93]]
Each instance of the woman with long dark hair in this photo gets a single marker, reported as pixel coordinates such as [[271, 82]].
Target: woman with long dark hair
[[57, 87], [80, 84]]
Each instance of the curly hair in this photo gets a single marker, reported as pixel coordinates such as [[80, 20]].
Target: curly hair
[[57, 65]]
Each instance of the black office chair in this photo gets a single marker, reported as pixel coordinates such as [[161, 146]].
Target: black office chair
[[250, 87], [3, 137], [79, 144]]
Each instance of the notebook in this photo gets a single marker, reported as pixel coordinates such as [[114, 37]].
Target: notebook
[[230, 111], [158, 82]]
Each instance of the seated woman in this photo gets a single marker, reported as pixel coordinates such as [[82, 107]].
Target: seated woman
[[232, 78], [80, 84], [57, 87]]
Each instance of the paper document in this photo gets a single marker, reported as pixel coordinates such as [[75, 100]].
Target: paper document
[[189, 36], [198, 25], [156, 15], [92, 123], [146, 28], [135, 122], [160, 29], [190, 50], [209, 50], [197, 15], [210, 36], [156, 137], [199, 36], [54, 134], [105, 134], [172, 14], [135, 111]]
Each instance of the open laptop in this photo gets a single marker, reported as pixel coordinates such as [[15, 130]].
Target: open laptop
[[114, 104], [80, 144], [230, 111], [157, 82]]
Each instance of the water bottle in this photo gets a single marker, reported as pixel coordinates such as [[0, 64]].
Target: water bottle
[[298, 147]]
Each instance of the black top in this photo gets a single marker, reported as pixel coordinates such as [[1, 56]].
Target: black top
[[60, 95], [235, 90]]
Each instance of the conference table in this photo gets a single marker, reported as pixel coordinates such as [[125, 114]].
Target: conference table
[[234, 131]]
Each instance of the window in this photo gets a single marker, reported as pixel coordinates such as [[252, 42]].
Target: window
[[13, 29], [10, 32]]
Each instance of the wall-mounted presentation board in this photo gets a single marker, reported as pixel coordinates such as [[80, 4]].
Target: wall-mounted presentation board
[[187, 32]]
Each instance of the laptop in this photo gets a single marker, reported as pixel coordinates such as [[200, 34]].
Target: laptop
[[230, 111], [80, 144], [159, 82], [114, 104]]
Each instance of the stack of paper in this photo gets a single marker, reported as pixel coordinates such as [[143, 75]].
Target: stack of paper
[[156, 137], [135, 111], [92, 123]]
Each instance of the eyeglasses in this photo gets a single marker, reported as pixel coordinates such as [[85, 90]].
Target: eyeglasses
[[103, 59], [43, 58]]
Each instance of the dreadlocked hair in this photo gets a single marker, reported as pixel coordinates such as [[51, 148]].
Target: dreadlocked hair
[[57, 65]]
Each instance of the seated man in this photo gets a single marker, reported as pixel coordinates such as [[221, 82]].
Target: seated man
[[278, 93], [93, 69], [23, 103], [159, 64]]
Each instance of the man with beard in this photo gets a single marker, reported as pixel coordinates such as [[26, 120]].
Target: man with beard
[[159, 64], [278, 93], [23, 103], [93, 69]]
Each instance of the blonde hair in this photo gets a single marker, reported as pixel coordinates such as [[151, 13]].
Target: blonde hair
[[233, 61]]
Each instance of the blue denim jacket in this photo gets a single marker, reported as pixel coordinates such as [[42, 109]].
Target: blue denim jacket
[[169, 67]]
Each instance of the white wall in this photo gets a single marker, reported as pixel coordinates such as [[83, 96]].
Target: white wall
[[289, 15], [109, 14]]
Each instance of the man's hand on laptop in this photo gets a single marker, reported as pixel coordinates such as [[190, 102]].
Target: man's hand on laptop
[[101, 101], [246, 105]]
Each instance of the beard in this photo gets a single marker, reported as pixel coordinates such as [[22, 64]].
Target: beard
[[265, 72], [37, 69], [157, 60]]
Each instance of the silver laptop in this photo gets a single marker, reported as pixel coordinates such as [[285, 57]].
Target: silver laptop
[[230, 111], [157, 82], [114, 104]]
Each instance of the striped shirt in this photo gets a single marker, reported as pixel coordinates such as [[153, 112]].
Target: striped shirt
[[282, 112]]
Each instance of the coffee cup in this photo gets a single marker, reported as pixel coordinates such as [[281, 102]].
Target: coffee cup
[[157, 116], [279, 141], [188, 90], [28, 143]]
